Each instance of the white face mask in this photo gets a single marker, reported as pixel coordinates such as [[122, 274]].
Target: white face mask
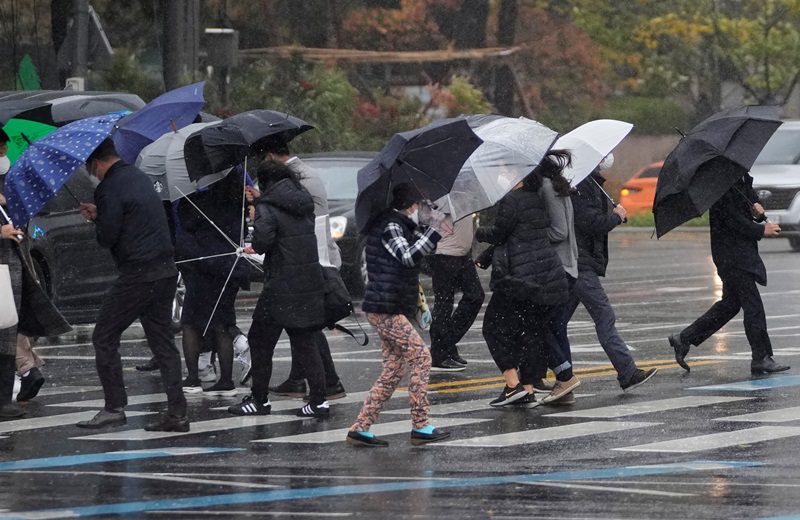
[[414, 216], [5, 164]]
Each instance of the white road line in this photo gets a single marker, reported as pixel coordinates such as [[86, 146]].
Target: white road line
[[196, 479], [462, 406], [717, 440], [214, 425], [65, 419], [134, 400], [554, 433], [769, 416], [259, 514], [606, 489], [61, 390], [661, 405], [390, 428]]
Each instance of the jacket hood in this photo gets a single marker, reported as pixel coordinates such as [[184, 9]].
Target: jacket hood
[[286, 195]]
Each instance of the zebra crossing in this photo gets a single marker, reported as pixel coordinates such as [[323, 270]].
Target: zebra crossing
[[473, 423]]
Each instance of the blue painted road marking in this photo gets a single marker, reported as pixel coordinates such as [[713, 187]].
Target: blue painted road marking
[[755, 384], [358, 489], [111, 456]]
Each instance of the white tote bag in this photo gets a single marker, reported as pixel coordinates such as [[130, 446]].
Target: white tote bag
[[8, 309]]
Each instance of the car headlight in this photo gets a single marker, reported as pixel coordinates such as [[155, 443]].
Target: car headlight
[[338, 225]]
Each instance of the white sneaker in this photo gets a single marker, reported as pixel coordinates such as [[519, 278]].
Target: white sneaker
[[18, 385], [207, 374]]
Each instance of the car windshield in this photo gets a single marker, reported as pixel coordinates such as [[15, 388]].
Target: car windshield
[[339, 176], [782, 148]]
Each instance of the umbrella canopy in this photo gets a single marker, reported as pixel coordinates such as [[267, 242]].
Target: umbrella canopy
[[708, 160], [20, 133], [511, 149], [80, 106], [226, 144], [163, 162], [429, 159], [589, 144], [170, 111], [25, 109], [47, 164]]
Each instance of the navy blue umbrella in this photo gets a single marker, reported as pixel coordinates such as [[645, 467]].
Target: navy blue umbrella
[[170, 111], [48, 162], [428, 159]]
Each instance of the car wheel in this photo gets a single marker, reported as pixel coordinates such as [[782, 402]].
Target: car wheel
[[794, 242], [177, 305]]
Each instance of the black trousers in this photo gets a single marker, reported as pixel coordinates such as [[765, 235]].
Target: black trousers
[[516, 333], [263, 337], [450, 274], [296, 372], [739, 291], [7, 372], [151, 304]]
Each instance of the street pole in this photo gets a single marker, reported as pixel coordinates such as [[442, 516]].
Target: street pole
[[80, 64]]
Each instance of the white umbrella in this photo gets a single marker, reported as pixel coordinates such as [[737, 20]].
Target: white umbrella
[[163, 161], [511, 149], [589, 144]]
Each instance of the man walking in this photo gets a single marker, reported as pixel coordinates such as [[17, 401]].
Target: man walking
[[452, 269], [594, 220], [734, 249], [130, 221]]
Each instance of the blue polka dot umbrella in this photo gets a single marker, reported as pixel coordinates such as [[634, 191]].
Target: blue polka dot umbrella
[[48, 162]]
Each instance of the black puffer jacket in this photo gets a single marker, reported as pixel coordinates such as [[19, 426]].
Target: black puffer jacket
[[293, 294], [521, 224], [594, 220]]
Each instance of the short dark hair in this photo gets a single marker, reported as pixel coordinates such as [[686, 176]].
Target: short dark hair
[[276, 145], [105, 150], [270, 172], [404, 196], [3, 137]]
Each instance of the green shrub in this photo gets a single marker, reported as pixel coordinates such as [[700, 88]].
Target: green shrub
[[650, 115], [645, 219]]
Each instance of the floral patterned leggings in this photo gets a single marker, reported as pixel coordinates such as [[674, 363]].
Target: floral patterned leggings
[[401, 345]]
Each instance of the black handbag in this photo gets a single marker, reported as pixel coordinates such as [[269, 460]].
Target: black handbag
[[338, 303]]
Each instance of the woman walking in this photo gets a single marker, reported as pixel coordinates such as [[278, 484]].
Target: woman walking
[[395, 245], [293, 295], [527, 282]]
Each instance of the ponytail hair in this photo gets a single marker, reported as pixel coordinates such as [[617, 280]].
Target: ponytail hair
[[552, 167]]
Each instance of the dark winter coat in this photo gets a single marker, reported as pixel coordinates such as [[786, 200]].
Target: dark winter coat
[[131, 222], [734, 234], [534, 267], [293, 295], [199, 236], [393, 285], [594, 220]]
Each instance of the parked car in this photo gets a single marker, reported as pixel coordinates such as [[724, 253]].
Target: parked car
[[776, 179], [339, 171], [638, 193]]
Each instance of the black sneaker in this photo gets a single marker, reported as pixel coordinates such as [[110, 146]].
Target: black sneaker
[[365, 439], [149, 366], [544, 387], [104, 418], [509, 395], [320, 411], [290, 388], [222, 389], [30, 385], [192, 386], [448, 365], [460, 360], [168, 423], [11, 411], [418, 438], [529, 401], [250, 406], [332, 392], [639, 377]]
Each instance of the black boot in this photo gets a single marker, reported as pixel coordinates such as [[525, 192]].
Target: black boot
[[8, 369]]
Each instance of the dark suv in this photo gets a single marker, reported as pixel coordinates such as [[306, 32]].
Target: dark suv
[[339, 171]]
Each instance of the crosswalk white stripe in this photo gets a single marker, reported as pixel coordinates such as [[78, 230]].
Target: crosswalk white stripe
[[769, 416], [381, 429], [547, 434], [50, 421], [661, 405], [214, 425], [462, 406], [717, 440]]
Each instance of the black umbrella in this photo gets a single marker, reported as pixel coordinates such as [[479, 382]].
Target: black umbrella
[[37, 111], [226, 144], [428, 159], [708, 160], [60, 108]]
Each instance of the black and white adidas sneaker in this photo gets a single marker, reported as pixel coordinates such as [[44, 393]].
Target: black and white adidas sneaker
[[250, 406], [319, 411]]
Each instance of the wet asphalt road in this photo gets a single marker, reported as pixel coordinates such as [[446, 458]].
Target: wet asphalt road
[[680, 446]]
